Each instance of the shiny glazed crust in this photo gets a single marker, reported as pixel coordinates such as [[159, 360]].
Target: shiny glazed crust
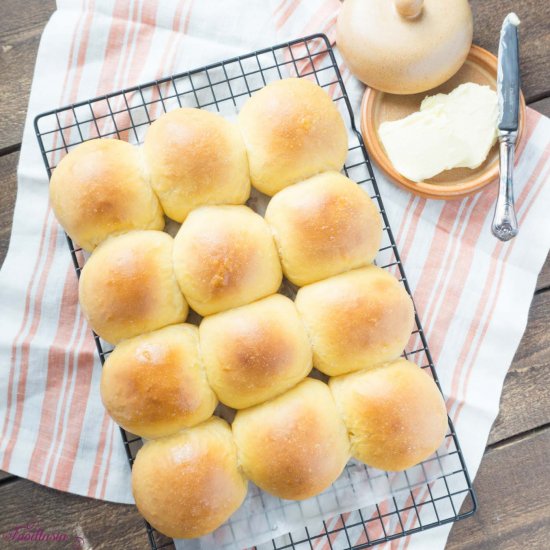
[[292, 130], [155, 384], [99, 190], [395, 414], [188, 484], [324, 226], [194, 158], [225, 257], [294, 446], [255, 352], [356, 320], [128, 287]]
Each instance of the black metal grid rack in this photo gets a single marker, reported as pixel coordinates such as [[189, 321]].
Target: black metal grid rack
[[428, 497]]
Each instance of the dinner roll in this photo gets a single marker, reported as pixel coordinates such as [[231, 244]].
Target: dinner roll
[[324, 226], [292, 130], [356, 320], [99, 189], [255, 352], [225, 257], [155, 384], [128, 287], [188, 484], [395, 414], [194, 158], [294, 446]]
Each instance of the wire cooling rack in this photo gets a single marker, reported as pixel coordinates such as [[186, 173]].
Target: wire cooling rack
[[420, 499]]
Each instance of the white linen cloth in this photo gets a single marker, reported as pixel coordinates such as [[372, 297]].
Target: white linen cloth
[[472, 292]]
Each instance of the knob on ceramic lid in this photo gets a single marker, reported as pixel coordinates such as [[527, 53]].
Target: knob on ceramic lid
[[404, 46], [408, 8]]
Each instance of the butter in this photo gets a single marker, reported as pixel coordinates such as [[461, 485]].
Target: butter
[[455, 130]]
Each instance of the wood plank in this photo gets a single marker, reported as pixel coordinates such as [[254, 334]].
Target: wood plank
[[4, 476], [102, 525], [543, 282], [21, 25], [525, 402], [542, 106], [513, 484], [534, 38], [8, 188]]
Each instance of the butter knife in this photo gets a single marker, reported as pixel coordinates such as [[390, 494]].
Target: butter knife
[[505, 225]]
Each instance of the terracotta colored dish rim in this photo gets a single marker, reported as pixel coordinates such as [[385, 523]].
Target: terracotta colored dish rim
[[424, 189]]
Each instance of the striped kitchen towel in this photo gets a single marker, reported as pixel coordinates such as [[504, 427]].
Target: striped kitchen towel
[[472, 291]]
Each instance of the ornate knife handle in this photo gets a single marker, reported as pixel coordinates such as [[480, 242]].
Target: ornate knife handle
[[505, 224]]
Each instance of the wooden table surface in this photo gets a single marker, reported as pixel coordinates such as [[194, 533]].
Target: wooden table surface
[[513, 483]]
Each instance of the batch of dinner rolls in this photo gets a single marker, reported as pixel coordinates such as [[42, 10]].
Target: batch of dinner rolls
[[254, 349]]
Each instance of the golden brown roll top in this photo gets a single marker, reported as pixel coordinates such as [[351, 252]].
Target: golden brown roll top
[[225, 257], [395, 414], [356, 320], [195, 158], [99, 189], [188, 484], [292, 130], [155, 384], [255, 352], [294, 446], [324, 226], [128, 287]]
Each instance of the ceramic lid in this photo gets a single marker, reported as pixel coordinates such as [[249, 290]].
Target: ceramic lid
[[404, 46]]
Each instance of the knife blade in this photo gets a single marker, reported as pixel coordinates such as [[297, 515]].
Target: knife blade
[[508, 78], [505, 225]]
